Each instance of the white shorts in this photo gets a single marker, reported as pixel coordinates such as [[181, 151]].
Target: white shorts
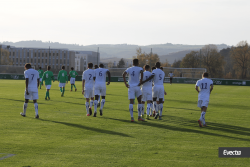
[[146, 95], [158, 91], [134, 91], [48, 86], [41, 79], [100, 90], [62, 85], [88, 93], [72, 80], [202, 103], [33, 94]]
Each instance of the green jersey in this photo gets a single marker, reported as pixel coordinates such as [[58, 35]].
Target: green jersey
[[40, 73], [73, 74], [62, 76], [47, 77]]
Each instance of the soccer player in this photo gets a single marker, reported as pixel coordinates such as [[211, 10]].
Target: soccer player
[[204, 87], [171, 75], [40, 76], [152, 112], [73, 74], [100, 86], [165, 93], [134, 72], [31, 91], [87, 86], [62, 79], [47, 77], [98, 105], [158, 89], [146, 91]]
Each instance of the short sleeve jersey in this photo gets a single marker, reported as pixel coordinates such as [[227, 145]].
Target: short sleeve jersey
[[134, 75], [62, 76], [100, 76], [204, 85], [73, 74], [40, 73], [171, 75], [32, 75], [158, 76], [147, 84], [47, 77], [88, 75]]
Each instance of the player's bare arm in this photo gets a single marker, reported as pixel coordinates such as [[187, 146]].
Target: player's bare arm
[[109, 75], [124, 79], [211, 88], [197, 89], [27, 84], [83, 84], [151, 77]]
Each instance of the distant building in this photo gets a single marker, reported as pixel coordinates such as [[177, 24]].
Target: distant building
[[82, 58]]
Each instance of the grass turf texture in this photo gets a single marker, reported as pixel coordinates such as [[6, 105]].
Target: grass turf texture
[[65, 136]]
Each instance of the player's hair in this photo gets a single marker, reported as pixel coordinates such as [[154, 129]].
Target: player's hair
[[205, 74], [161, 68], [63, 67], [135, 62], [96, 66], [153, 68], [27, 65], [146, 67], [48, 67], [90, 65], [40, 68], [101, 65], [157, 64], [72, 68]]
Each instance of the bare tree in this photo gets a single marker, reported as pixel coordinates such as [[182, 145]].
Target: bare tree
[[4, 57]]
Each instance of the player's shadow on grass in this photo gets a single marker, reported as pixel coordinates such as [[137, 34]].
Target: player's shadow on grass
[[30, 101], [88, 128], [182, 129], [212, 104], [181, 108]]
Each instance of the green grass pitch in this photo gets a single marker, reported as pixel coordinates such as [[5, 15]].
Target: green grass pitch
[[65, 136]]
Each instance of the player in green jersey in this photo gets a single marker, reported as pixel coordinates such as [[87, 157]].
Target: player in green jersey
[[47, 77], [73, 75], [62, 79], [40, 75]]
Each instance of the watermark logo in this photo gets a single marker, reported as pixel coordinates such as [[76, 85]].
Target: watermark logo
[[234, 152]]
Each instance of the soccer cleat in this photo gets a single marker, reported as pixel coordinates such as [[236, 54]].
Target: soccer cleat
[[205, 125], [153, 113], [94, 115], [46, 98], [90, 111], [147, 117], [49, 98], [70, 90], [37, 116], [200, 124], [160, 118], [88, 114], [156, 115], [61, 94], [132, 119], [75, 90], [22, 114], [141, 119], [100, 112]]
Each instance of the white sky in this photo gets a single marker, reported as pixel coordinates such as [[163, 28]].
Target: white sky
[[140, 22]]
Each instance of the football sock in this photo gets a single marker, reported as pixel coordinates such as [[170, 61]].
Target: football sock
[[142, 109], [95, 105], [154, 105], [102, 103], [161, 108], [203, 117], [61, 89], [91, 103], [87, 107], [148, 108], [25, 105], [36, 108], [139, 107], [71, 87], [74, 86], [157, 108], [131, 109], [40, 85]]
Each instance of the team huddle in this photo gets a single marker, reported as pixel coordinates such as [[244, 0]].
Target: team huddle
[[142, 84]]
